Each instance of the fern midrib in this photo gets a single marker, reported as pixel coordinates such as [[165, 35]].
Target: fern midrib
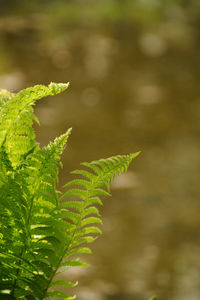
[[94, 183]]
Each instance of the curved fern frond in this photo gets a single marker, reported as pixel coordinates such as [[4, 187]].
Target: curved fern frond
[[78, 206], [16, 118]]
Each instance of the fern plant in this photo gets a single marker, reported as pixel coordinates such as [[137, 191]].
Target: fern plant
[[41, 231]]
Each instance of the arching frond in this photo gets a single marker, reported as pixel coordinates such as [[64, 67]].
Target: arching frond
[[78, 205], [16, 118]]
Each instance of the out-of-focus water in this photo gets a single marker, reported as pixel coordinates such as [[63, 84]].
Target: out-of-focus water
[[134, 86]]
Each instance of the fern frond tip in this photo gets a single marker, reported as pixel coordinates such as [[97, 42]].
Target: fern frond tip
[[66, 135], [69, 131], [59, 143], [57, 88], [5, 93], [134, 155]]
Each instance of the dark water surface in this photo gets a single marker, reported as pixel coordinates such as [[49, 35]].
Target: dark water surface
[[134, 86]]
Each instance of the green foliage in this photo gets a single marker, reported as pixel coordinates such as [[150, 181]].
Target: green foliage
[[41, 232]]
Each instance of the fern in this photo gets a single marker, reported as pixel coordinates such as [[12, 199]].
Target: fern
[[41, 231]]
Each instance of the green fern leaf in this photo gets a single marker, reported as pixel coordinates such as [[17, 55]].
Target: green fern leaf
[[87, 230], [73, 263], [84, 250], [92, 210], [59, 294], [63, 283]]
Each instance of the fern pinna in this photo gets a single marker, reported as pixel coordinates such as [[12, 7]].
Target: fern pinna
[[41, 232]]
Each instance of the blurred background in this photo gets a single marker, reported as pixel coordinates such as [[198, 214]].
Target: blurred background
[[134, 68]]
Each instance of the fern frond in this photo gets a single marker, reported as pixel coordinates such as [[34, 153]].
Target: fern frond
[[79, 207], [42, 223], [16, 118]]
